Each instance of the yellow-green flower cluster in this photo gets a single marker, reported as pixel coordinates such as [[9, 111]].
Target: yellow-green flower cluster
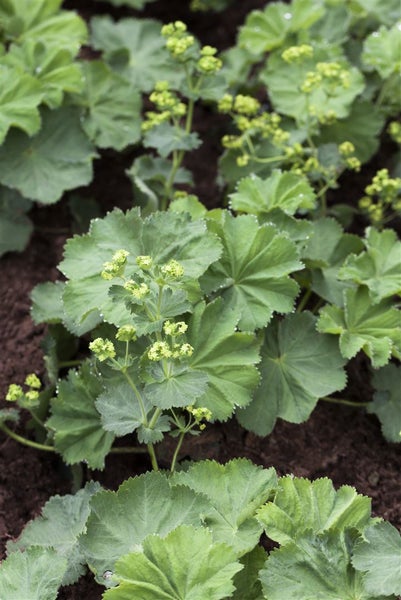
[[208, 62], [126, 333], [394, 129], [178, 41], [175, 329], [346, 150], [15, 393], [172, 270], [297, 53], [144, 262], [168, 106], [161, 350], [382, 195], [115, 267], [102, 348], [137, 290], [200, 414], [325, 117], [330, 74]]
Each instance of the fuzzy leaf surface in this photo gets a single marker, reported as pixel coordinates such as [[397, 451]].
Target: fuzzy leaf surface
[[120, 411], [35, 574], [167, 138], [36, 167], [247, 582], [375, 329], [387, 401], [79, 435], [298, 367], [253, 276], [144, 505], [62, 520], [227, 356], [46, 302], [379, 268], [111, 107], [382, 51], [285, 191], [315, 568], [184, 564], [182, 385], [301, 505], [378, 556], [235, 491]]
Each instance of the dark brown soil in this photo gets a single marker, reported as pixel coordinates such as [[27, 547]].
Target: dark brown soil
[[342, 443]]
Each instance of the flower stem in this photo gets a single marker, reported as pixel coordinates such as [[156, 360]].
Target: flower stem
[[345, 402], [128, 450], [178, 448], [153, 458], [25, 441]]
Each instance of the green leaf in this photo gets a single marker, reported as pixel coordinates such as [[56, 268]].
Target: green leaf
[[20, 96], [111, 107], [287, 191], [167, 138], [35, 574], [135, 49], [315, 568], [298, 367], [120, 521], [252, 276], [185, 564], [46, 299], [264, 31], [382, 51], [247, 583], [387, 401], [235, 491], [62, 520], [301, 505], [43, 20], [79, 435], [51, 66], [15, 226], [325, 253], [379, 557], [136, 4], [58, 158], [375, 329], [379, 268], [227, 356], [284, 80], [180, 387], [189, 204], [382, 11], [120, 410]]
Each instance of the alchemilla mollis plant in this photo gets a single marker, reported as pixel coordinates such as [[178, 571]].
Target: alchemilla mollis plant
[[192, 316]]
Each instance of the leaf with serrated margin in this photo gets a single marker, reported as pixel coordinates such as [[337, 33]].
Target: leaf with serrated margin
[[324, 255], [62, 520], [184, 564], [144, 505], [298, 367], [119, 409], [15, 226], [56, 159], [135, 49], [314, 567], [374, 329], [227, 356], [253, 273], [301, 506], [378, 556], [386, 403], [47, 305], [167, 138], [35, 574], [235, 491], [79, 435], [379, 268], [287, 191], [43, 20], [247, 582], [382, 51], [111, 107], [179, 387], [51, 66], [20, 96]]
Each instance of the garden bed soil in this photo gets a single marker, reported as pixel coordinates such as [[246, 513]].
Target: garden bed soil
[[340, 442]]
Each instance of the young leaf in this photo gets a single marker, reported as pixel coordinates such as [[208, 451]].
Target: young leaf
[[247, 583], [227, 356], [301, 505], [15, 226], [144, 505], [35, 574], [387, 401], [45, 173], [180, 387], [298, 367], [314, 567], [287, 191], [375, 329], [120, 411], [20, 96], [62, 520], [184, 564], [111, 107], [135, 49], [379, 268], [235, 491], [252, 276], [79, 435], [167, 138], [378, 556]]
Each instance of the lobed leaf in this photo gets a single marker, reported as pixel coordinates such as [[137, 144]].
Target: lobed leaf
[[382, 51], [386, 403]]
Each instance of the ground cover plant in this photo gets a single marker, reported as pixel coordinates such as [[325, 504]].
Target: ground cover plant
[[173, 316]]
